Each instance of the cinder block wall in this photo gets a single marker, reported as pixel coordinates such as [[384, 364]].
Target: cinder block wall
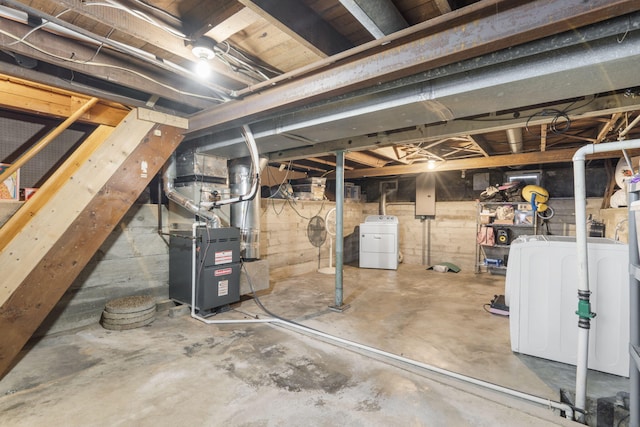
[[284, 240], [449, 237], [135, 259]]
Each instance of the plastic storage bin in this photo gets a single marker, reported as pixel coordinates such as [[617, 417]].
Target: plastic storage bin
[[541, 292]]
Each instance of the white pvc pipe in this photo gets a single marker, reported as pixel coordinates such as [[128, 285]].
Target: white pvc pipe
[[583, 260], [525, 396]]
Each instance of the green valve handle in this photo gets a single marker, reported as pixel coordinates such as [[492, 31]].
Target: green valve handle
[[584, 310]]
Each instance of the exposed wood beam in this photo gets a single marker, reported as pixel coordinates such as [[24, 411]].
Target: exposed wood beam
[[112, 68], [128, 28], [579, 138], [443, 6], [21, 95], [555, 156], [306, 167], [365, 159], [473, 28], [543, 137], [235, 23], [379, 17], [608, 127], [301, 23], [208, 15], [326, 162], [390, 153], [481, 143]]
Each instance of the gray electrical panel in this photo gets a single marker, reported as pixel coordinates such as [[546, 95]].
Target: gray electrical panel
[[426, 195], [217, 268]]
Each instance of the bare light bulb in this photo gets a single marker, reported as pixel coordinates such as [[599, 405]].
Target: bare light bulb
[[202, 68], [204, 53], [431, 164]]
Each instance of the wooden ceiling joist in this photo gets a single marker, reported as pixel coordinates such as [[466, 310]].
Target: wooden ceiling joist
[[482, 144], [302, 24], [391, 153], [209, 15], [365, 159], [604, 105], [417, 53], [555, 156], [326, 162], [21, 95], [235, 23], [609, 126], [125, 28]]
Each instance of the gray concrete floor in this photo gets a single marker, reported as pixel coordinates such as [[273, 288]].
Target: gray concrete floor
[[179, 371]]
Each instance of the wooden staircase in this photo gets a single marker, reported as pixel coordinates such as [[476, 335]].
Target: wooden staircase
[[50, 239]]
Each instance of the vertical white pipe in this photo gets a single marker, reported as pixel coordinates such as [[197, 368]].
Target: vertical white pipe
[[194, 227], [584, 307], [583, 283]]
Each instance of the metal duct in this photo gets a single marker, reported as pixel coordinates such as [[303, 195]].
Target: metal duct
[[382, 203], [514, 136], [246, 215], [198, 209]]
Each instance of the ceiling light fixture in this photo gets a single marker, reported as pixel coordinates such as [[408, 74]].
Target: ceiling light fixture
[[431, 164], [203, 50]]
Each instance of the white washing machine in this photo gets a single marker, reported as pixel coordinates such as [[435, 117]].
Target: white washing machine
[[379, 245], [541, 292]]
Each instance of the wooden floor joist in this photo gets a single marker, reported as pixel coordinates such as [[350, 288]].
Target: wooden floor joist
[[52, 248]]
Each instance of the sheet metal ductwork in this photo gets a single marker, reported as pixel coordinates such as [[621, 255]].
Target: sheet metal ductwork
[[201, 209], [246, 215], [514, 136]]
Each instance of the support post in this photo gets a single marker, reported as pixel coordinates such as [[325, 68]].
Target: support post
[[339, 305]]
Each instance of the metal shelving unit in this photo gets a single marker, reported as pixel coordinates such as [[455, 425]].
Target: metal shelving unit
[[499, 251], [634, 311]]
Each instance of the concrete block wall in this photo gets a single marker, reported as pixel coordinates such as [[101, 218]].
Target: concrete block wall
[[283, 236], [450, 237], [135, 259], [286, 245]]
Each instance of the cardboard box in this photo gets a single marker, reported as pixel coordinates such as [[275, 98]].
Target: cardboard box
[[10, 188]]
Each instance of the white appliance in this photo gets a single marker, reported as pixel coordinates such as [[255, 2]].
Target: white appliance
[[541, 292], [379, 242]]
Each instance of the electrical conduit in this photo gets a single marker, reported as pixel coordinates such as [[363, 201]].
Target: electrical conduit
[[584, 306]]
